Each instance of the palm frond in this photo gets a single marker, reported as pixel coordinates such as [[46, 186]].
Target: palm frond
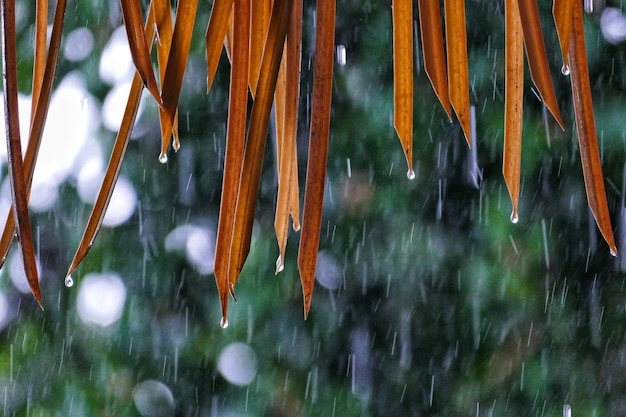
[[263, 41]]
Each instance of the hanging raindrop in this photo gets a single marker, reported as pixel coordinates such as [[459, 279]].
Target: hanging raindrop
[[224, 323], [565, 69], [410, 174], [514, 217], [280, 265], [163, 158], [69, 281]]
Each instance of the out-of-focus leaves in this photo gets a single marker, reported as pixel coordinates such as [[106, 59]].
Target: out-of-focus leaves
[[585, 126], [215, 34], [235, 144], [133, 22], [175, 70], [434, 54], [403, 77], [19, 192], [514, 102], [458, 77], [256, 138], [318, 147], [537, 56]]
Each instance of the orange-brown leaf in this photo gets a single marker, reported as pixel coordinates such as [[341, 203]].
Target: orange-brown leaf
[[175, 70], [215, 34], [257, 135], [318, 147], [537, 57], [163, 18], [513, 102], [434, 54], [287, 200], [39, 64], [235, 144], [563, 10], [260, 18], [133, 22], [115, 161], [458, 78], [37, 124], [403, 76], [585, 126], [19, 193]]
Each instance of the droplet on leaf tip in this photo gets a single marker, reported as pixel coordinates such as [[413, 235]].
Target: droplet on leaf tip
[[223, 323], [613, 251], [279, 265], [410, 174], [514, 217], [163, 158], [69, 281], [565, 69]]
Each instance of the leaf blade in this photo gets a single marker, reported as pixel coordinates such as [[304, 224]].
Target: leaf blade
[[537, 57], [215, 34], [175, 70], [585, 125], [513, 103], [133, 22], [235, 146], [19, 193], [318, 148], [433, 50], [403, 76], [458, 77]]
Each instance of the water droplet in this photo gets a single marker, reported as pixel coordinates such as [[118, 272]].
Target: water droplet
[[613, 251], [69, 281], [224, 323], [565, 69], [514, 217], [280, 265], [410, 174], [163, 158]]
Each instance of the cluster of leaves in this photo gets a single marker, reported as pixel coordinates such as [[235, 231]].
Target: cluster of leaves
[[443, 306], [264, 41]]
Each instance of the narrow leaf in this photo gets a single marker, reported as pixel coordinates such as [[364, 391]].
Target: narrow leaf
[[38, 122], [318, 147], [235, 144], [215, 34], [287, 200], [175, 70], [133, 22], [537, 56], [458, 78], [19, 193], [163, 19], [513, 102], [257, 136], [39, 65], [585, 126], [260, 18], [563, 10], [115, 161], [434, 54], [403, 77]]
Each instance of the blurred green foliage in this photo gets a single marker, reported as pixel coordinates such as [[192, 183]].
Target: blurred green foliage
[[444, 308]]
